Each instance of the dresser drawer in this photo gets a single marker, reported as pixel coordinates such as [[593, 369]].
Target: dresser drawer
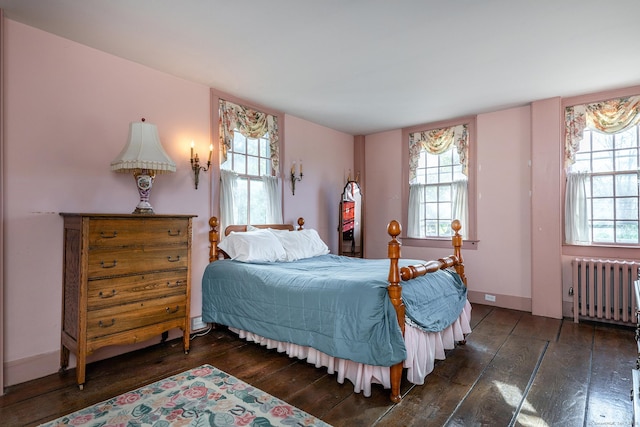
[[121, 290], [109, 232], [126, 317], [107, 262]]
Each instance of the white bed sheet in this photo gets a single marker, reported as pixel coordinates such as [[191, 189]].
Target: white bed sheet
[[423, 349]]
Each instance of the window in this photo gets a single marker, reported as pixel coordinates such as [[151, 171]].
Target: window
[[250, 159], [250, 190], [601, 161], [438, 184], [437, 177], [609, 165]]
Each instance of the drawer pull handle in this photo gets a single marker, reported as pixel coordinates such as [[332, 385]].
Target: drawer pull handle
[[172, 259], [112, 294], [173, 311], [173, 234], [174, 285], [107, 236], [102, 325], [113, 264]]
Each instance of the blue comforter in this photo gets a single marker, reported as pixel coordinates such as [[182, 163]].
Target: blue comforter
[[335, 304]]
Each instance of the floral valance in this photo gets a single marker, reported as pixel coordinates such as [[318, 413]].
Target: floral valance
[[437, 141], [612, 116], [250, 123]]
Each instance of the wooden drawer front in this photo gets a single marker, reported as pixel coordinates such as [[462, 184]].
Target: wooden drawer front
[[126, 317], [122, 290], [133, 232], [111, 262]]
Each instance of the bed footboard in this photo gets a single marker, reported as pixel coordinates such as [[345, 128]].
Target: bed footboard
[[407, 273]]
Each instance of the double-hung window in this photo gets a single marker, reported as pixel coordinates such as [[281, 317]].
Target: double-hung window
[[438, 183], [602, 156], [250, 190]]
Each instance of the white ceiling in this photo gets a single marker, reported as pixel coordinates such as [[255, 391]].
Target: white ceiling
[[364, 66]]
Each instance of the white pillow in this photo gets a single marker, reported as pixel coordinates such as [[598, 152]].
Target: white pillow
[[301, 244], [253, 246]]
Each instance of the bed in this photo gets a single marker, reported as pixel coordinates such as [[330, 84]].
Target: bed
[[363, 319]]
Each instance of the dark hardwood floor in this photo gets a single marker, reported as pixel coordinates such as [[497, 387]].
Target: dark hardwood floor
[[516, 369]]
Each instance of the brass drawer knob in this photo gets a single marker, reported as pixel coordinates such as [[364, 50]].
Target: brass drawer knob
[[108, 295], [176, 284], [113, 264], [103, 325]]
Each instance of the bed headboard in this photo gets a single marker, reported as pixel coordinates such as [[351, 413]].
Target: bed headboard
[[214, 235]]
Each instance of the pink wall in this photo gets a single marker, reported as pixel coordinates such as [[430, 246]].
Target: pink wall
[[67, 116], [503, 222]]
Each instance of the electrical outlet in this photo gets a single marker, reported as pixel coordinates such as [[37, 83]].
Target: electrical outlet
[[197, 324], [489, 297]]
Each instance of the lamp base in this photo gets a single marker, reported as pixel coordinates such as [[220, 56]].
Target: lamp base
[[144, 181]]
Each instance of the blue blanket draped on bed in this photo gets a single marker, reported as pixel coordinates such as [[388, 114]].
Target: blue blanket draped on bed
[[337, 305]]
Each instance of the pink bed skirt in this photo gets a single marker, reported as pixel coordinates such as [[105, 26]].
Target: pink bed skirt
[[423, 349]]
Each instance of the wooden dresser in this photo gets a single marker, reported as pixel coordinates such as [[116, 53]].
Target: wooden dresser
[[126, 279]]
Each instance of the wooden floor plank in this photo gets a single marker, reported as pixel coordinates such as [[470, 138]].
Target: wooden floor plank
[[498, 393], [481, 383], [614, 353]]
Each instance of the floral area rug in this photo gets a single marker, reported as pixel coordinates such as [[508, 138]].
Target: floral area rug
[[201, 397]]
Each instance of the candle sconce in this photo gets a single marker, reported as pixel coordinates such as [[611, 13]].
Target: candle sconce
[[195, 164], [295, 177]]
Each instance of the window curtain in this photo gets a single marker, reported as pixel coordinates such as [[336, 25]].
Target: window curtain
[[228, 211], [415, 220], [576, 217], [460, 204], [437, 141], [274, 196], [251, 123], [416, 215], [612, 116]]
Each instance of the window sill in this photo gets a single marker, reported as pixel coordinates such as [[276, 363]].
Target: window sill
[[601, 251], [437, 243]]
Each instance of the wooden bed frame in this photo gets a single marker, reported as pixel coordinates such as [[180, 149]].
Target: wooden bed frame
[[396, 274]]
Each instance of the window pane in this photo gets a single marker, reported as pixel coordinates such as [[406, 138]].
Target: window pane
[[602, 161], [239, 163], [444, 212], [239, 143], [601, 141], [627, 185], [602, 186], [258, 204], [265, 167], [602, 208], [432, 160], [603, 231], [431, 193], [627, 208], [241, 200], [431, 210], [252, 146], [444, 193], [627, 231], [252, 166], [627, 160], [264, 148], [431, 228], [627, 139]]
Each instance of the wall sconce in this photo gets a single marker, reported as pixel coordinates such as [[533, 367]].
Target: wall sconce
[[295, 177], [195, 163], [144, 157]]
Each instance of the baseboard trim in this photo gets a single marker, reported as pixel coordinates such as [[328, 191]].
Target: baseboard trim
[[503, 301]]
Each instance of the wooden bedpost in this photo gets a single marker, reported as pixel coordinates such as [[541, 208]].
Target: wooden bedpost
[[395, 294], [456, 240], [300, 223], [213, 239]]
